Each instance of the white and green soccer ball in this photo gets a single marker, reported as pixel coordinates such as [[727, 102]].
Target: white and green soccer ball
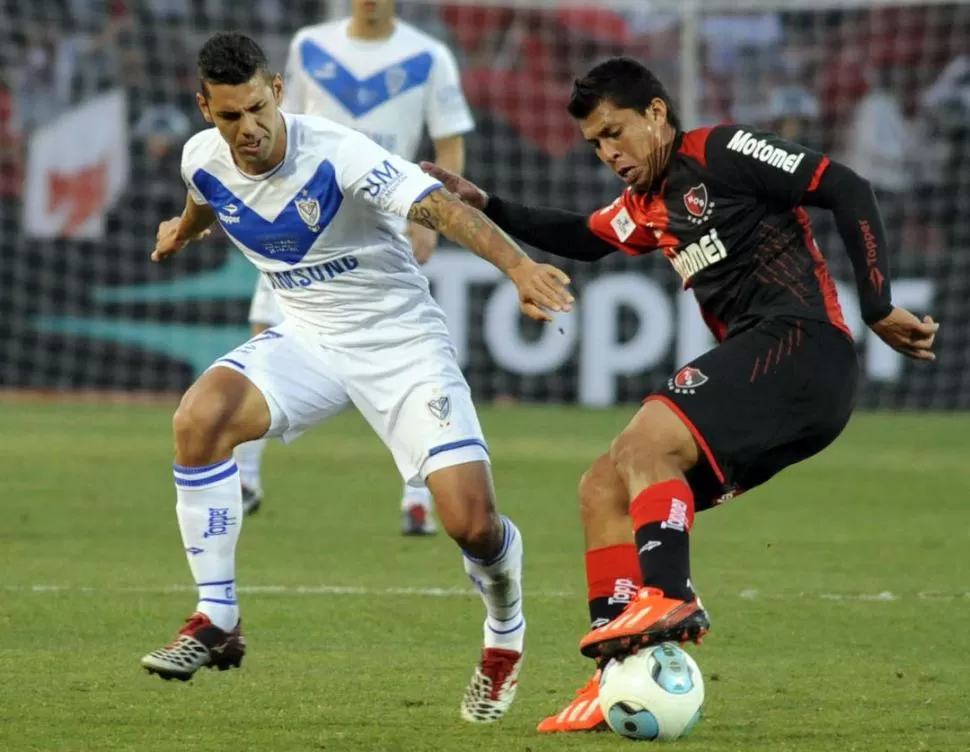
[[655, 694]]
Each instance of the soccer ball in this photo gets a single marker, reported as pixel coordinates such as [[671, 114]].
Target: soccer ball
[[655, 694]]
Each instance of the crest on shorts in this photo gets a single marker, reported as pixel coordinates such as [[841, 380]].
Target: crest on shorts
[[440, 407], [309, 210], [698, 204], [394, 79], [686, 380]]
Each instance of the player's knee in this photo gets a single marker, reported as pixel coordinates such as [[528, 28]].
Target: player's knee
[[209, 418], [198, 423], [473, 521]]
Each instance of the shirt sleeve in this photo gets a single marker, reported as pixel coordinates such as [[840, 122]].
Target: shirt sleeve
[[561, 233], [294, 84], [763, 164], [615, 225], [187, 173], [369, 173], [446, 110]]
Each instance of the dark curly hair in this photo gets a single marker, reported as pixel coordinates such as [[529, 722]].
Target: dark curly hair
[[230, 58]]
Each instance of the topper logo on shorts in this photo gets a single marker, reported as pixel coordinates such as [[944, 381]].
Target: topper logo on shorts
[[219, 522], [440, 407], [686, 380]]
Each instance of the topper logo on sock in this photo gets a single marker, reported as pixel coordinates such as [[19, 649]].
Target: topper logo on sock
[[219, 522], [230, 593], [624, 591], [677, 519], [194, 550]]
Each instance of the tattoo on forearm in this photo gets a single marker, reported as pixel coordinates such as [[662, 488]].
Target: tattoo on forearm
[[445, 212], [423, 216]]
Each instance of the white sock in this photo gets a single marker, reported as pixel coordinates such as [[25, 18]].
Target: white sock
[[500, 583], [249, 458], [209, 510], [416, 495]]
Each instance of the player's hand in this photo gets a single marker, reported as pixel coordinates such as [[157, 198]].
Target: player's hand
[[542, 288], [423, 241], [167, 240], [466, 190], [906, 334]]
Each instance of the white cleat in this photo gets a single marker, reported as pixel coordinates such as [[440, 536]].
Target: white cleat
[[493, 686], [200, 644]]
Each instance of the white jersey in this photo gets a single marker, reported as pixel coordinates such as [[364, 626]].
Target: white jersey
[[388, 89], [322, 228]]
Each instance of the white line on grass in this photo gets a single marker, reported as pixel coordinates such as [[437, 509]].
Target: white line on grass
[[749, 594]]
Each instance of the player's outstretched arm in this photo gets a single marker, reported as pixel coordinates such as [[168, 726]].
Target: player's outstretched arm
[[542, 288], [174, 234], [853, 204], [555, 231]]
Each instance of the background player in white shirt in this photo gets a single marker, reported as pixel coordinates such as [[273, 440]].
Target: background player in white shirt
[[311, 204], [388, 80]]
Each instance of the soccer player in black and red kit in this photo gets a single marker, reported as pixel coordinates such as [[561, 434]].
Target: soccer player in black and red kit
[[725, 206]]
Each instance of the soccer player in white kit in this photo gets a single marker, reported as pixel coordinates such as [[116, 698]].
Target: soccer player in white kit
[[388, 80], [312, 204]]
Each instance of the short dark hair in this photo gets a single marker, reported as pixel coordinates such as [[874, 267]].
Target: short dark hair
[[625, 82], [230, 58]]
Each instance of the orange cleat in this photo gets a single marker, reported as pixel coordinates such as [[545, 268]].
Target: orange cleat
[[649, 619], [582, 714]]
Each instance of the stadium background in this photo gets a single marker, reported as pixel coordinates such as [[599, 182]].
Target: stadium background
[[96, 98]]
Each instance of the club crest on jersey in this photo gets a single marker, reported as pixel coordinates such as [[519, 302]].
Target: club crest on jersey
[[394, 79], [698, 203], [440, 407], [687, 380], [309, 210]]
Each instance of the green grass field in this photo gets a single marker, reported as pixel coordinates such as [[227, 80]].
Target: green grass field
[[840, 594]]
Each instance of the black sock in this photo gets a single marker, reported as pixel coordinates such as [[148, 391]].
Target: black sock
[[665, 560], [662, 517]]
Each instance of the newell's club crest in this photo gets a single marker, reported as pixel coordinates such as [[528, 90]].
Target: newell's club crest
[[440, 407], [687, 380], [699, 206], [309, 209]]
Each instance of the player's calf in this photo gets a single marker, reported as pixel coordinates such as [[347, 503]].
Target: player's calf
[[492, 555], [221, 410]]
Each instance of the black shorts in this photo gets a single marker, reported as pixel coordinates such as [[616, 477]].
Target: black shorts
[[762, 400]]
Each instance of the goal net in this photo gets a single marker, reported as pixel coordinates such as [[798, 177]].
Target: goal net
[[96, 98]]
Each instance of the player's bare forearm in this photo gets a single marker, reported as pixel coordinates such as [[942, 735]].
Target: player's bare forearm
[[443, 211], [195, 219], [449, 153]]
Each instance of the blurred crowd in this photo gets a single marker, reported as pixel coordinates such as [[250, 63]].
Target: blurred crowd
[[887, 90]]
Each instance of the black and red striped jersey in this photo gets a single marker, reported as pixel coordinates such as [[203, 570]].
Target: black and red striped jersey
[[728, 215]]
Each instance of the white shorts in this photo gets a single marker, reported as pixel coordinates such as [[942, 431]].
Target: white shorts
[[264, 309], [412, 394]]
